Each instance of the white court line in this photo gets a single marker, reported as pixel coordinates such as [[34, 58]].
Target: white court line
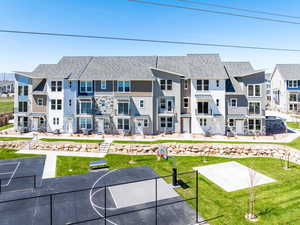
[[6, 173], [13, 174], [1, 164]]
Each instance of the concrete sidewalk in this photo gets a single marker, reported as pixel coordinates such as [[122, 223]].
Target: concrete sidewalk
[[50, 164]]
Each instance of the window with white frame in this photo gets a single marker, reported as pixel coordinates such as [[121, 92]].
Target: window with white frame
[[123, 124], [85, 123], [233, 102], [40, 101], [217, 83], [231, 123], [293, 83], [166, 122], [166, 85], [56, 104], [70, 84], [218, 102], [141, 103], [202, 107], [85, 107], [70, 102], [55, 121], [254, 108], [123, 86], [293, 97], [103, 84], [203, 122], [56, 86], [145, 123], [23, 90], [23, 106], [254, 124], [186, 84], [22, 121], [86, 86], [162, 103], [254, 90], [186, 102], [202, 85], [293, 107], [123, 108]]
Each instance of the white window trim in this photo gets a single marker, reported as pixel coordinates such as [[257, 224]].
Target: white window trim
[[85, 86], [86, 123], [188, 102], [254, 125], [123, 84], [235, 101], [186, 84], [103, 84], [254, 96], [144, 123], [293, 86], [38, 99], [260, 107], [142, 100]]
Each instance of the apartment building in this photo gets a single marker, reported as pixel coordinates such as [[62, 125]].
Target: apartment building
[[130, 95], [285, 83]]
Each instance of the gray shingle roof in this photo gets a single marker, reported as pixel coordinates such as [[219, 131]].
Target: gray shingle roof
[[119, 68], [207, 66], [238, 69], [175, 64], [289, 71]]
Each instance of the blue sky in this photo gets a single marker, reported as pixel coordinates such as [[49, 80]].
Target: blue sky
[[127, 19]]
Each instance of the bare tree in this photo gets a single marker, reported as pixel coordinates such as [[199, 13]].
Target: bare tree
[[251, 199], [131, 161], [286, 160]]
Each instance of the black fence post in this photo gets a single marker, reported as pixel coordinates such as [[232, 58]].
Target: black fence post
[[0, 186], [51, 213], [156, 201], [34, 181], [105, 204], [197, 197]]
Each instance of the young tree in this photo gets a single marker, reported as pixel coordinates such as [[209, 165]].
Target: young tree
[[131, 161], [251, 199]]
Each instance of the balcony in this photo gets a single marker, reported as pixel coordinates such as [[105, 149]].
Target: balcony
[[237, 110], [166, 111]]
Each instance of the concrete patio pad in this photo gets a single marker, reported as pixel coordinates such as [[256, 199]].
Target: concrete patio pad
[[232, 176]]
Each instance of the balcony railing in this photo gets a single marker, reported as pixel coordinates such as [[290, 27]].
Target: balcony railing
[[198, 113], [166, 111]]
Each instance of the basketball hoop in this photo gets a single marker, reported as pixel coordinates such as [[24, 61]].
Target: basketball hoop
[[162, 152]]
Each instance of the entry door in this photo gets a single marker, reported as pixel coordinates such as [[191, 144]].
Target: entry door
[[240, 126], [139, 127], [101, 126], [170, 105], [35, 124], [185, 125], [70, 126]]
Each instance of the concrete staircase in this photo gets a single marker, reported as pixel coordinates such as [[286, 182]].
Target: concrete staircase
[[104, 147]]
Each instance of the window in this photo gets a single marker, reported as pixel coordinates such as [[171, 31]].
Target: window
[[293, 83], [186, 102], [254, 124], [85, 123], [186, 84], [56, 86], [293, 107], [293, 97], [40, 101], [123, 108], [163, 84], [142, 103], [123, 124], [170, 105], [203, 107], [42, 121], [23, 90], [145, 123], [254, 90], [56, 104], [233, 102], [163, 103], [169, 122], [23, 106], [22, 121], [85, 107], [231, 123], [203, 122], [163, 122], [217, 83], [218, 102], [86, 86], [55, 121], [70, 84], [123, 86], [103, 84], [169, 85], [254, 108], [70, 102], [202, 85]]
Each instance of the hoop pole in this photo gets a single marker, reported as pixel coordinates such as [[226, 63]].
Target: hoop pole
[[51, 212], [105, 204], [155, 201], [197, 197]]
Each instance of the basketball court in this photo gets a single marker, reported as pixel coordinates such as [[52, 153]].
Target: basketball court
[[124, 196]]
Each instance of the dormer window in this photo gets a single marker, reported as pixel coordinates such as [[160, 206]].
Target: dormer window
[[86, 86], [123, 86], [202, 85], [103, 84]]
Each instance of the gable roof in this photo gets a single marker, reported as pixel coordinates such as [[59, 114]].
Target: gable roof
[[289, 71], [239, 69]]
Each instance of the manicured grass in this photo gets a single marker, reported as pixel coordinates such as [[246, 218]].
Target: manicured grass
[[6, 153], [276, 203], [15, 138], [71, 140], [5, 127], [6, 105], [293, 125], [66, 166]]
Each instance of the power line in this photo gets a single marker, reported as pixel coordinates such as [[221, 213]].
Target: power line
[[214, 12], [239, 9], [147, 40]]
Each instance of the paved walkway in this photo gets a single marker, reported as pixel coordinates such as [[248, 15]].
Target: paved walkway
[[50, 164]]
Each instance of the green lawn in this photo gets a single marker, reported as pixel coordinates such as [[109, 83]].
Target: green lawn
[[71, 140], [6, 105], [293, 125], [6, 153], [15, 138], [5, 127], [276, 203]]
